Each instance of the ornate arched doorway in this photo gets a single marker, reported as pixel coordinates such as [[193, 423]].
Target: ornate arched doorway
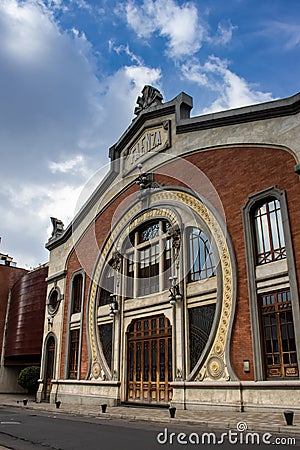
[[49, 368], [149, 363]]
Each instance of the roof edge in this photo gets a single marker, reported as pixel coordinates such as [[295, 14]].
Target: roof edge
[[260, 111]]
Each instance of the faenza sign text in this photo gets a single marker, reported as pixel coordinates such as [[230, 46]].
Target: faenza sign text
[[152, 139]]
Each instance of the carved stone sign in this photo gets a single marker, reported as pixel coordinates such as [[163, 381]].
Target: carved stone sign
[[152, 139]]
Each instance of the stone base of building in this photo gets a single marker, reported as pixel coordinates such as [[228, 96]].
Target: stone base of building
[[78, 392], [227, 396], [237, 396]]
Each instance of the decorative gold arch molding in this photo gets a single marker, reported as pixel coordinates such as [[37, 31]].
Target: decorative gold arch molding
[[163, 204]]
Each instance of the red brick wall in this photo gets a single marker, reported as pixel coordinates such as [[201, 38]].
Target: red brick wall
[[235, 173]]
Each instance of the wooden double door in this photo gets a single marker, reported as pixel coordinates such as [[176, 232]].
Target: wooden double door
[[149, 365]]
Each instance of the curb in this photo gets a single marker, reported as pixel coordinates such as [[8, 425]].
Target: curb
[[216, 425]]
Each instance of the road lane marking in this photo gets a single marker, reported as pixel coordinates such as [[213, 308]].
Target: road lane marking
[[10, 423]]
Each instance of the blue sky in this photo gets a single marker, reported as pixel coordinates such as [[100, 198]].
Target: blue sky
[[71, 71]]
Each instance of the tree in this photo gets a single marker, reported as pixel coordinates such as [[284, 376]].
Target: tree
[[28, 379]]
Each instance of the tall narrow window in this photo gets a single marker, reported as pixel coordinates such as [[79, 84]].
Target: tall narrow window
[[201, 259], [77, 293], [107, 285], [130, 276], [149, 270], [278, 335], [106, 336], [167, 262], [268, 240], [148, 252], [270, 244], [73, 354]]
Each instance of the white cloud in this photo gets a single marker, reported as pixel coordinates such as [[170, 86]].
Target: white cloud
[[180, 25], [287, 33], [193, 71], [74, 166], [121, 92], [27, 220], [55, 121], [232, 91], [125, 49], [224, 33]]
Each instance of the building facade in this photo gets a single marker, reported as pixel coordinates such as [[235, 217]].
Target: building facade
[[22, 310], [177, 281]]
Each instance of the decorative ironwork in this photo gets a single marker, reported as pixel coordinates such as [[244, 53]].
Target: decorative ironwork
[[105, 332], [150, 97], [151, 232], [200, 323]]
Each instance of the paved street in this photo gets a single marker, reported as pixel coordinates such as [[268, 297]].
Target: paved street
[[38, 426], [25, 429]]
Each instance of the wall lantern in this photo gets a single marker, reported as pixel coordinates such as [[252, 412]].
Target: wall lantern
[[144, 180], [50, 320], [175, 295], [114, 307]]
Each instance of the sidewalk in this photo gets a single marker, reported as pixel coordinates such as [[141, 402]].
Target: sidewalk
[[213, 419]]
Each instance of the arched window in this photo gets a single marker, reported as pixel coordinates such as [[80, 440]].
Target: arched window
[[273, 294], [148, 256], [73, 353], [270, 244], [77, 293], [201, 259]]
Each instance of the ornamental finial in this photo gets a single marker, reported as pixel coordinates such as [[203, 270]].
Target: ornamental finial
[[150, 97]]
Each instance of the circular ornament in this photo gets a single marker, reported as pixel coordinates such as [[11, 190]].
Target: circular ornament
[[96, 369], [215, 367]]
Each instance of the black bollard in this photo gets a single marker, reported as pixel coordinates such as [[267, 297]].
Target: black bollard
[[172, 411], [103, 407], [57, 404], [25, 401], [289, 415]]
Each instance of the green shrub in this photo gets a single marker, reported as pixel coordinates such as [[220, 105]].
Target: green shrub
[[28, 379]]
